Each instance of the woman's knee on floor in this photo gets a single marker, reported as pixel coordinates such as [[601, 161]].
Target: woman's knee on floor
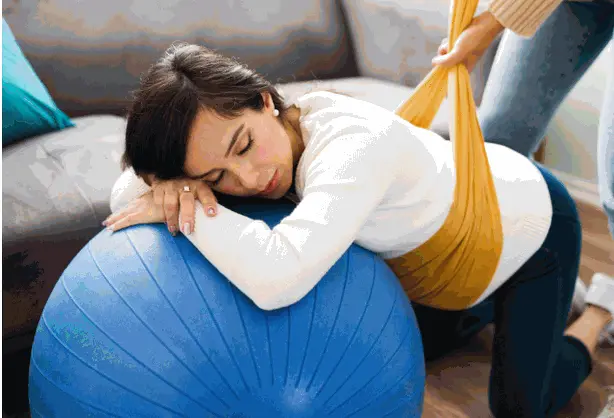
[[518, 402]]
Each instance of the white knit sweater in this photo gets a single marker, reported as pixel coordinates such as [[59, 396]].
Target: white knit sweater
[[366, 176]]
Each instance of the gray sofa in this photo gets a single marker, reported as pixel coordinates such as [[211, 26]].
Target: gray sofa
[[90, 55]]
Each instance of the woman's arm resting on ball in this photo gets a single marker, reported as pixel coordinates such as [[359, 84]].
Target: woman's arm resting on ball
[[278, 267]]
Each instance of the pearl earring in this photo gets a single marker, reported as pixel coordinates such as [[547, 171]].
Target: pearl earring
[[275, 112]]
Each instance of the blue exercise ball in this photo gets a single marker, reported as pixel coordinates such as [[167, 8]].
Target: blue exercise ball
[[140, 324]]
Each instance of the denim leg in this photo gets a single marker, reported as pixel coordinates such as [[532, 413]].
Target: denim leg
[[535, 368], [605, 151], [531, 77], [444, 331]]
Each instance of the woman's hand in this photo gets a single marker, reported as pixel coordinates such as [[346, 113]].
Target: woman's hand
[[140, 211], [177, 198], [170, 201], [471, 44]]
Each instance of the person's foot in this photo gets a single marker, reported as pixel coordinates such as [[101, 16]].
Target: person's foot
[[601, 294]]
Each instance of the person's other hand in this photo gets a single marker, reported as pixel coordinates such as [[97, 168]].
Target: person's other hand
[[471, 44]]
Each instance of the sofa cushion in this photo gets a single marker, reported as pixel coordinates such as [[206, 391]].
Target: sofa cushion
[[60, 182], [92, 53], [27, 107], [55, 194]]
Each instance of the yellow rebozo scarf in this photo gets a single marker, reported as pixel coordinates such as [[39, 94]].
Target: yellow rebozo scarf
[[453, 268]]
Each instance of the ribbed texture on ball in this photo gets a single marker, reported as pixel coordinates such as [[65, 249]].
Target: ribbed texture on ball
[[142, 325]]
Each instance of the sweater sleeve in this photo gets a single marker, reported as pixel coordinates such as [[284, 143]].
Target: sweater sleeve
[[127, 188], [522, 17], [277, 267]]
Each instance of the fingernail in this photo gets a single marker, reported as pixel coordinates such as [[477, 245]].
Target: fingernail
[[104, 223], [186, 228], [110, 228], [210, 211], [172, 230]]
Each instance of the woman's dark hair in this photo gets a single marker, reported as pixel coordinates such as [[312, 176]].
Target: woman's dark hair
[[186, 79]]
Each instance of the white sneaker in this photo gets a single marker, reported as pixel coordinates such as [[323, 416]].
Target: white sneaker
[[578, 303], [601, 293]]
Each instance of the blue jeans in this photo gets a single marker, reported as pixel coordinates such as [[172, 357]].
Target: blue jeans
[[532, 77]]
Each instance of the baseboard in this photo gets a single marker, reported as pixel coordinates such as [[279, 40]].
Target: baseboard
[[579, 188]]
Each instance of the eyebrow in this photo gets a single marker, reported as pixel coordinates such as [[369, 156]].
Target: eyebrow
[[234, 139]]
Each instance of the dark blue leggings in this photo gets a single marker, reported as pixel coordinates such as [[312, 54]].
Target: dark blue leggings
[[535, 368]]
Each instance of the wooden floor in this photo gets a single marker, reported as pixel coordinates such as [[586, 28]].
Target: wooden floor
[[457, 385]]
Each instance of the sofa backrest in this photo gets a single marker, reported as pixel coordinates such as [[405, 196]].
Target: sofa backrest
[[90, 54]]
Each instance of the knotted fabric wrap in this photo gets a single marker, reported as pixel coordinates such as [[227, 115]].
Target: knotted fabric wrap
[[455, 266]]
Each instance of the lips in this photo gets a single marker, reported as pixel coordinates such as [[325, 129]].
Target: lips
[[272, 184]]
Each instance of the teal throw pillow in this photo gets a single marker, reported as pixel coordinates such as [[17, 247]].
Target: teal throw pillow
[[27, 107]]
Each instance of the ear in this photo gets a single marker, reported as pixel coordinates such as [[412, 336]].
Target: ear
[[268, 101]]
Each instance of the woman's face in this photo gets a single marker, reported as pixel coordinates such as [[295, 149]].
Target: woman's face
[[249, 155]]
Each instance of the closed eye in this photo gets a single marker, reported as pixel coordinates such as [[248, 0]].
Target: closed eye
[[250, 142], [218, 179]]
